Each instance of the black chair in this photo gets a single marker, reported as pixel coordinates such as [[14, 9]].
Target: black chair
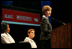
[[16, 45]]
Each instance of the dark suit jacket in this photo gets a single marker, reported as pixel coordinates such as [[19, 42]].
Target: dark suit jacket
[[46, 29]]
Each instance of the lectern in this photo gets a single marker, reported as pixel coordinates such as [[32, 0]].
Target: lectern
[[61, 36]]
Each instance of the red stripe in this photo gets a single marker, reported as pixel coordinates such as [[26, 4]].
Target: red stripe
[[23, 15]]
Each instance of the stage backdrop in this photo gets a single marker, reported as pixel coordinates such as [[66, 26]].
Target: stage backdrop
[[21, 18], [10, 3]]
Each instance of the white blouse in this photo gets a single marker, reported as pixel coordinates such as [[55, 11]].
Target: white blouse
[[33, 44], [7, 38]]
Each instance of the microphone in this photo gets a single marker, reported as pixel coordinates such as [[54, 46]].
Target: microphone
[[58, 21]]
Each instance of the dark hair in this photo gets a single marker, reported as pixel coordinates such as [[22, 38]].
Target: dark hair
[[3, 26]]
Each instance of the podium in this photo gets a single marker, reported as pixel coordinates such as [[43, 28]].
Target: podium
[[61, 36]]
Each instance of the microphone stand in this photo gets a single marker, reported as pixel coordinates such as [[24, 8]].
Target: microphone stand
[[58, 21]]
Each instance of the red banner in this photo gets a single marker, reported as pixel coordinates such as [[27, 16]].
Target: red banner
[[18, 16]]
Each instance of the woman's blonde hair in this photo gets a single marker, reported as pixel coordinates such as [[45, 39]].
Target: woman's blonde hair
[[46, 8], [30, 30]]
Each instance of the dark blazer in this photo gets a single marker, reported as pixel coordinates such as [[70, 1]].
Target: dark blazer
[[46, 29]]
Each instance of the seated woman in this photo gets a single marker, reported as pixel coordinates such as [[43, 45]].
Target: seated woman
[[6, 38], [31, 35]]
